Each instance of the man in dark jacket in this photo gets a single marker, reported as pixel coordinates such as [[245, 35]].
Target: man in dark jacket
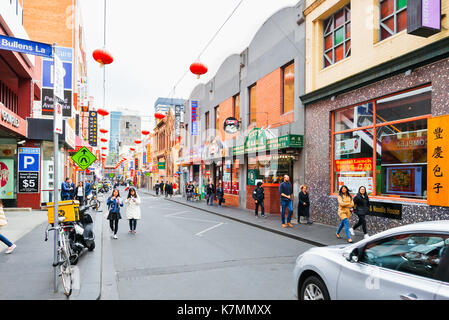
[[210, 190], [220, 194], [259, 196], [65, 189]]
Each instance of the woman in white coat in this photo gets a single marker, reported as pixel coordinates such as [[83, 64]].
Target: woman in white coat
[[132, 209]]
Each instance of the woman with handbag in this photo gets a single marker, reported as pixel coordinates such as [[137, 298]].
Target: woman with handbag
[[3, 222], [345, 203], [361, 201], [114, 203]]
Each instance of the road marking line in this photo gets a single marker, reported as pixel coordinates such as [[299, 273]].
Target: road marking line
[[208, 229], [174, 214]]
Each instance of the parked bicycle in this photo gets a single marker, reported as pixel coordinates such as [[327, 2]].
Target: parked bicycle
[[63, 256]]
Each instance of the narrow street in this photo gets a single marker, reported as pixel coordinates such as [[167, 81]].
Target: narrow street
[[183, 253]]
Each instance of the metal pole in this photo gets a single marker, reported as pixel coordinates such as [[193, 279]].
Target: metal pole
[[56, 176]]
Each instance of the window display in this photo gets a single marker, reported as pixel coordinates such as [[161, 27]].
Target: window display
[[269, 168], [389, 136]]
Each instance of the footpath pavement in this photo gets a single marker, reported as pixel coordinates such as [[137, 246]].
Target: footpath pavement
[[27, 273], [316, 234]]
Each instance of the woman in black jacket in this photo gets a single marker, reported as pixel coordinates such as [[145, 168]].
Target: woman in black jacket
[[362, 208], [304, 204]]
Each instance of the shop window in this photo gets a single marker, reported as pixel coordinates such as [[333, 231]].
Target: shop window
[[252, 104], [354, 160], [388, 154], [337, 36], [235, 177], [237, 107], [354, 117], [393, 17], [288, 102], [269, 168]]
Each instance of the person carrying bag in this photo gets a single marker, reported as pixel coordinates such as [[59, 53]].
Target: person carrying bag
[[362, 208]]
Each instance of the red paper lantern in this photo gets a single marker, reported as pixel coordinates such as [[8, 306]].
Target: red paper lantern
[[103, 140], [103, 130], [145, 132], [104, 148], [132, 149], [103, 154], [102, 112], [198, 68], [137, 141], [102, 56], [159, 115]]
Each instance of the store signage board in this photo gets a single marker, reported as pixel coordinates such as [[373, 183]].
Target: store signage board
[[423, 17], [26, 46], [84, 158], [254, 143], [93, 128], [28, 169], [231, 125], [438, 161], [194, 113], [386, 210]]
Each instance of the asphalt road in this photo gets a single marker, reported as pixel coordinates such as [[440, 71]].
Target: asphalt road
[[184, 253]]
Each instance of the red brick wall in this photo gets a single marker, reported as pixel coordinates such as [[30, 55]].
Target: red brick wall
[[272, 200]]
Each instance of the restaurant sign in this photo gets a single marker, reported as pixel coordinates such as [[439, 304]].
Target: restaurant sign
[[258, 142], [423, 17]]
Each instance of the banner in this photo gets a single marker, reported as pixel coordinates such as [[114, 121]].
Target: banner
[[438, 161], [7, 179], [93, 128]]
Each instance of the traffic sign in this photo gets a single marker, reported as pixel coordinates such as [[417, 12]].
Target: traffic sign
[[84, 158], [26, 46]]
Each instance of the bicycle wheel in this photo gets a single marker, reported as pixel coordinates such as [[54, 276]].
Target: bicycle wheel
[[65, 269]]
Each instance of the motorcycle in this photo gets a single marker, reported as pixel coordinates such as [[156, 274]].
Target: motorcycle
[[81, 234]]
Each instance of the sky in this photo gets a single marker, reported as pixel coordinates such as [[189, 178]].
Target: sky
[[153, 43]]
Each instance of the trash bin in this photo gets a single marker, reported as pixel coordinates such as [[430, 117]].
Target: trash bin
[[68, 209]]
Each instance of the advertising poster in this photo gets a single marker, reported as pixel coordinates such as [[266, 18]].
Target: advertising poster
[[404, 180], [354, 180], [348, 146], [405, 147], [7, 179]]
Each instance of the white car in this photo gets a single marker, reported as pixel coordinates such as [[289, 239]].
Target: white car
[[409, 263]]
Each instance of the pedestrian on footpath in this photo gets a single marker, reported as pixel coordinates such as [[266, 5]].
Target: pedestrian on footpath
[[286, 192], [72, 190], [80, 193], [345, 203], [114, 203], [259, 196], [3, 222], [170, 189], [362, 208], [156, 186], [88, 187], [304, 205], [220, 193], [133, 209], [210, 193], [65, 189]]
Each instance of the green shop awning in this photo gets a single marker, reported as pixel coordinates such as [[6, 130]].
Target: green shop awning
[[256, 143]]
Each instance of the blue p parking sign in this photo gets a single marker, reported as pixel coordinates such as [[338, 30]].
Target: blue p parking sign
[[29, 159]]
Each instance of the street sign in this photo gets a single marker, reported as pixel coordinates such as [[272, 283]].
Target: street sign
[[28, 170], [84, 158], [59, 78], [26, 46]]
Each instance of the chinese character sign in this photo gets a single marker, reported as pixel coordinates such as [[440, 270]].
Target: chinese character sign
[[194, 109], [438, 161]]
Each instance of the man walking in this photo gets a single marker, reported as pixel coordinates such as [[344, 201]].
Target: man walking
[[258, 196], [156, 186], [66, 189], [286, 192], [210, 193]]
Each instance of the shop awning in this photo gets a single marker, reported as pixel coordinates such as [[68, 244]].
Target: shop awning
[[257, 144]]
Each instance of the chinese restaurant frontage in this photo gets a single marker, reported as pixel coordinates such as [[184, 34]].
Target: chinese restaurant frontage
[[382, 136]]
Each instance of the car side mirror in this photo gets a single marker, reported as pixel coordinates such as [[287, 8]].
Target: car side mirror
[[354, 256]]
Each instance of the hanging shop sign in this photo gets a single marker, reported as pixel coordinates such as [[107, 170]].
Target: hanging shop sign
[[11, 121], [423, 17], [93, 128], [194, 113], [231, 125], [438, 161], [7, 179], [28, 170]]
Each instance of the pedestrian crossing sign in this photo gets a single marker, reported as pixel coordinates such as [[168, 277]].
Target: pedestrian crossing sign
[[84, 158]]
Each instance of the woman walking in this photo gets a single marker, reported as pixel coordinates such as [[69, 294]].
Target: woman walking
[[220, 193], [132, 209], [114, 203], [361, 202], [79, 192], [345, 204], [304, 205], [3, 222]]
